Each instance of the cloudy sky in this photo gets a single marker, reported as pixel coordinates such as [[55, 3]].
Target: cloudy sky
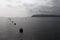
[[25, 8]]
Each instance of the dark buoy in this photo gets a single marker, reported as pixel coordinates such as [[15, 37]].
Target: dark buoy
[[14, 23], [21, 30]]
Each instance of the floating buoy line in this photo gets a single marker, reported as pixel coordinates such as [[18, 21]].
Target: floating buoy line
[[20, 30]]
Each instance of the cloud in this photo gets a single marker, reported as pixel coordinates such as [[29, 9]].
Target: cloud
[[56, 3], [56, 7], [26, 7], [41, 6]]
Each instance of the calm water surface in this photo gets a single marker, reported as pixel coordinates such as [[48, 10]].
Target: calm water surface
[[36, 28]]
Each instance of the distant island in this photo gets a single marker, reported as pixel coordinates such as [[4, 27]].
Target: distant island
[[44, 15]]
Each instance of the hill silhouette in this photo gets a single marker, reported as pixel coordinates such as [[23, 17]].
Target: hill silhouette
[[45, 15]]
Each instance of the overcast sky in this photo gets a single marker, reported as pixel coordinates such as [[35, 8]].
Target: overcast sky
[[25, 8]]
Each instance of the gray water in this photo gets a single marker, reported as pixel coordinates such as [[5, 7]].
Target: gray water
[[36, 28]]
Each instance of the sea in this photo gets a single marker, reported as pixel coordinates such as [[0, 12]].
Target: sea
[[34, 28]]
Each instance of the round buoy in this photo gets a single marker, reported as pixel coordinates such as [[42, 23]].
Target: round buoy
[[14, 23], [21, 30]]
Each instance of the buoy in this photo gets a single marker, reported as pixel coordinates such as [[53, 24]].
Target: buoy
[[21, 30], [14, 23]]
